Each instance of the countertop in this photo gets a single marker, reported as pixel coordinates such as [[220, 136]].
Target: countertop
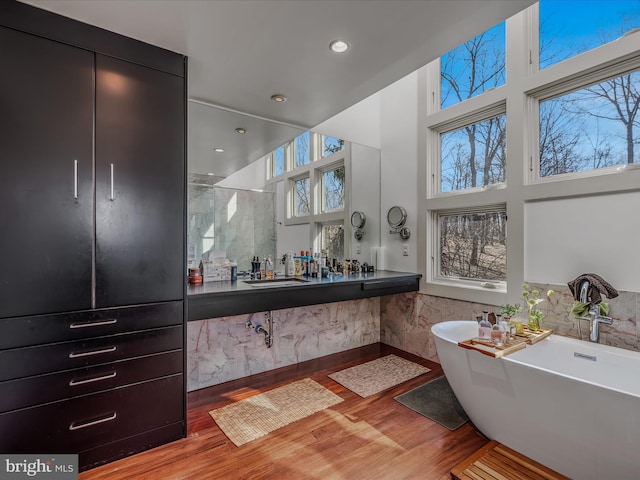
[[224, 298]]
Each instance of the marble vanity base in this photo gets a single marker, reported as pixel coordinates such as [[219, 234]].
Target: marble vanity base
[[223, 349]]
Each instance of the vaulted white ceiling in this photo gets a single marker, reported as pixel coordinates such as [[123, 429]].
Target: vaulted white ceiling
[[243, 51]]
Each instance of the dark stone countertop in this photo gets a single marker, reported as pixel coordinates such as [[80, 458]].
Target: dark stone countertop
[[225, 298]]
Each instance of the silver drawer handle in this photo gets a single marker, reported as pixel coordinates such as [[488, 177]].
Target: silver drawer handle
[[111, 196], [74, 383], [75, 179], [93, 352], [78, 426], [99, 323]]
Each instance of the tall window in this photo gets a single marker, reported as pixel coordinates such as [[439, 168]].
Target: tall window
[[473, 156], [473, 67], [302, 149], [332, 240], [278, 161], [591, 128], [331, 145], [554, 134], [473, 245], [568, 29], [301, 197], [332, 188]]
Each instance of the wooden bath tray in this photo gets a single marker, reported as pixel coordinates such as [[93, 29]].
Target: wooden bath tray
[[534, 337], [487, 348]]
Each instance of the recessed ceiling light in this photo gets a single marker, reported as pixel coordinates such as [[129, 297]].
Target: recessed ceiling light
[[211, 174], [339, 46], [218, 150], [241, 130], [278, 98]]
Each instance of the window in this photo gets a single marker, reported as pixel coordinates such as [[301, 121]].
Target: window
[[573, 133], [332, 188], [474, 67], [301, 197], [473, 156], [567, 30], [473, 245], [278, 161], [332, 240], [302, 149], [331, 145], [591, 128]]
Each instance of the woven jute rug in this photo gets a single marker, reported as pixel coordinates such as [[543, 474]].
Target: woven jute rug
[[377, 375], [256, 416]]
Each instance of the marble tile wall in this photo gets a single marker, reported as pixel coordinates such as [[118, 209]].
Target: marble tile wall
[[223, 349], [406, 319]]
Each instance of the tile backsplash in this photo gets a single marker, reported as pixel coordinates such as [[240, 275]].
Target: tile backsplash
[[406, 319]]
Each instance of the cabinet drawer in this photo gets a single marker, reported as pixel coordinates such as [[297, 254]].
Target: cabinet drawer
[[81, 423], [36, 330], [27, 361], [30, 391]]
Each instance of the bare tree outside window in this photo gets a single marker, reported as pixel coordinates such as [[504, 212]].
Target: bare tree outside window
[[331, 145], [278, 161], [301, 147], [333, 189], [301, 197], [332, 243], [473, 246]]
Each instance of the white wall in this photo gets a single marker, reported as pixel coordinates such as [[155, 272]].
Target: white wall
[[250, 177], [597, 234], [365, 197], [357, 124], [399, 167]]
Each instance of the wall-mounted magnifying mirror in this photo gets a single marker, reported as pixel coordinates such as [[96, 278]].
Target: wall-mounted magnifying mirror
[[358, 219], [396, 217]]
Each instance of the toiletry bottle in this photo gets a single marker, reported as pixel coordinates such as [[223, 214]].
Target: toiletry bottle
[[306, 263], [496, 334], [263, 269], [505, 329], [484, 330], [234, 271], [292, 264], [297, 269], [269, 268]]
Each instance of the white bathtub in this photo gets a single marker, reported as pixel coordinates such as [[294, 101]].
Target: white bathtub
[[575, 415]]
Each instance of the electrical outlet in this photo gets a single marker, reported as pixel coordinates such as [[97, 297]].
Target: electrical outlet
[[357, 248], [405, 249]]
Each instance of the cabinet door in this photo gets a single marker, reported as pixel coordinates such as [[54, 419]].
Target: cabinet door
[[140, 122], [46, 175]]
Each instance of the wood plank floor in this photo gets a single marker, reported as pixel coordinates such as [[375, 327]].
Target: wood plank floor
[[371, 438]]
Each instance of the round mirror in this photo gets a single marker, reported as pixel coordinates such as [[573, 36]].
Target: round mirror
[[396, 216], [358, 219]]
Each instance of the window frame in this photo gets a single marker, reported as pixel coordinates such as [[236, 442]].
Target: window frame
[[526, 85]]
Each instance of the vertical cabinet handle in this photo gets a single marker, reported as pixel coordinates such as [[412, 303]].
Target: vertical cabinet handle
[[75, 179], [111, 197]]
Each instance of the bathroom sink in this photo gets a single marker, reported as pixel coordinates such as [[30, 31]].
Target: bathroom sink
[[276, 282]]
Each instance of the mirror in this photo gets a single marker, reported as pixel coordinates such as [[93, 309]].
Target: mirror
[[396, 218], [232, 209], [358, 219]]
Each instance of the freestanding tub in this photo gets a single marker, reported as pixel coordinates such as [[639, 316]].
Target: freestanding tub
[[571, 405]]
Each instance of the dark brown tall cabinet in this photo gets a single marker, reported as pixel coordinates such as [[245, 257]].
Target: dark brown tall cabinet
[[92, 207]]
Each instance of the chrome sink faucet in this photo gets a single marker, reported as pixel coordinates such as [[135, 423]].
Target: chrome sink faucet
[[595, 319]]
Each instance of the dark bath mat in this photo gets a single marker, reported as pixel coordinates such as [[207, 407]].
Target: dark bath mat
[[436, 400]]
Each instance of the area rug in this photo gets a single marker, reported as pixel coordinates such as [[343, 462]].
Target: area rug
[[436, 401], [377, 375], [256, 416]]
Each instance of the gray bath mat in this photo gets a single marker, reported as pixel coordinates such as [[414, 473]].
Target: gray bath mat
[[436, 400]]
